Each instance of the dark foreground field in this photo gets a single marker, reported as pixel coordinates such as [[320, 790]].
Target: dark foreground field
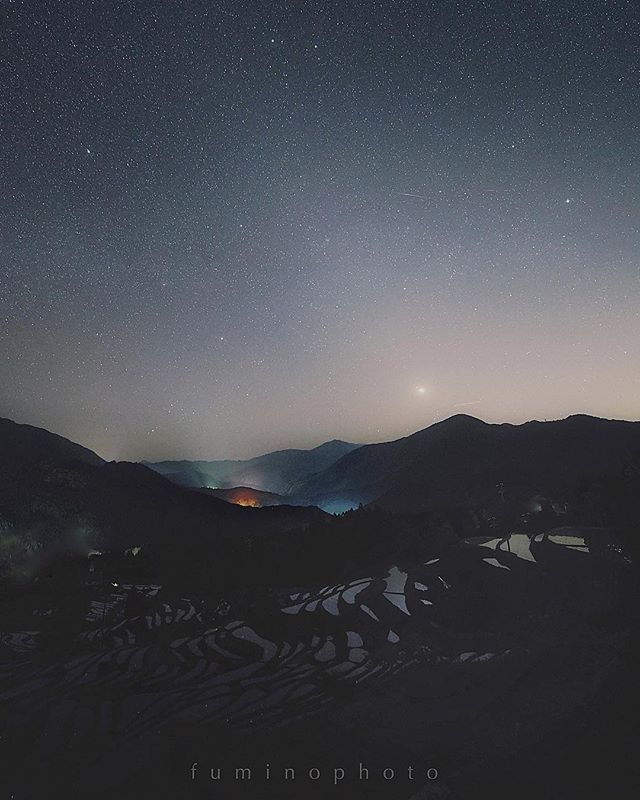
[[502, 667]]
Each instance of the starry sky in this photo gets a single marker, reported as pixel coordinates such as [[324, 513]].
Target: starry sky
[[231, 227]]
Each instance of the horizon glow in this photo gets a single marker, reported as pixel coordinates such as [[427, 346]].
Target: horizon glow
[[288, 230]]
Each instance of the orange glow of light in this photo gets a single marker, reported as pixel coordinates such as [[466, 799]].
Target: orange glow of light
[[251, 502], [243, 497]]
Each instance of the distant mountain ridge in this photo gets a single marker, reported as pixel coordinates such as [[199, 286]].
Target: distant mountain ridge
[[148, 613], [462, 461], [275, 472], [58, 498], [53, 489]]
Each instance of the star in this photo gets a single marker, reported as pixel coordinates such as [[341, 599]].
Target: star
[[377, 221]]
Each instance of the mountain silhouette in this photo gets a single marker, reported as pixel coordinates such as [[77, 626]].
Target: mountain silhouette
[[27, 446], [463, 462], [60, 500], [273, 472], [203, 627]]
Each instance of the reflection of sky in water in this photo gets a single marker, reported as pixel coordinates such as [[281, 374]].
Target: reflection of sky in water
[[519, 544], [330, 602], [331, 605], [349, 595], [397, 600], [328, 597], [464, 657], [494, 563], [357, 655], [368, 611], [396, 580], [573, 542], [293, 609], [327, 652]]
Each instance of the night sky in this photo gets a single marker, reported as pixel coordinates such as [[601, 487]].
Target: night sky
[[233, 227]]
